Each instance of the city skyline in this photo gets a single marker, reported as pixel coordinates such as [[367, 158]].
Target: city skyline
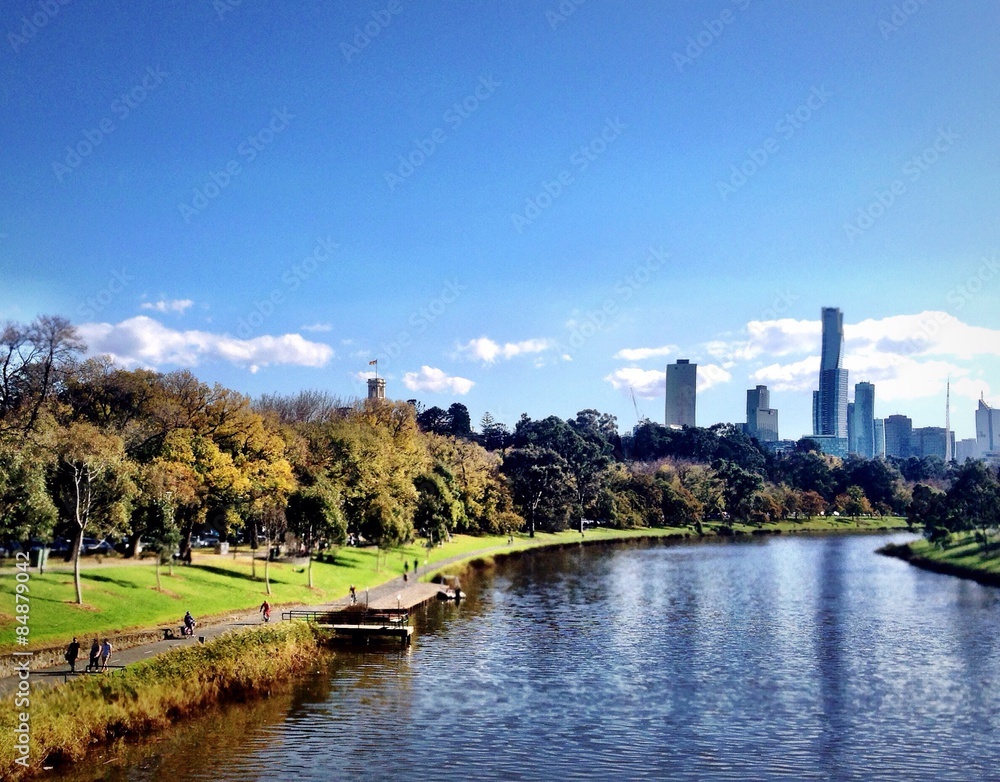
[[525, 212]]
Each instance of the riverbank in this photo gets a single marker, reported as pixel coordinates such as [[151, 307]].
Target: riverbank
[[59, 725], [65, 721], [962, 557]]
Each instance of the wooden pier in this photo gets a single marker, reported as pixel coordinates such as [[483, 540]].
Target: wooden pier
[[359, 623]]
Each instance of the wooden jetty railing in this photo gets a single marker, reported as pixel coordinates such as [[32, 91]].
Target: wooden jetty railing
[[359, 622]]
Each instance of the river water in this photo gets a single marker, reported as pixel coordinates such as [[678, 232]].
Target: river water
[[792, 658]]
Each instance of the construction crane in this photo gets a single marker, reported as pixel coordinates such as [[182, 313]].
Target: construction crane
[[639, 416]]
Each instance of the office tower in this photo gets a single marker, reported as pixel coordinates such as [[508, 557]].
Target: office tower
[[852, 438], [931, 441], [987, 430], [898, 429], [830, 401], [863, 420], [880, 438], [965, 450], [682, 385], [762, 420]]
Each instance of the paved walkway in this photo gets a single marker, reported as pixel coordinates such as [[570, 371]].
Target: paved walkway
[[390, 594]]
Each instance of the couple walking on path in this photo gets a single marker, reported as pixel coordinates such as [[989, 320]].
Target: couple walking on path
[[100, 655]]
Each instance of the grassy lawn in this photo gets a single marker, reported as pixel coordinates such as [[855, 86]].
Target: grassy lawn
[[964, 551], [123, 597]]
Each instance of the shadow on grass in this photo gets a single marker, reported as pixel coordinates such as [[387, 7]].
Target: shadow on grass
[[221, 571], [120, 582]]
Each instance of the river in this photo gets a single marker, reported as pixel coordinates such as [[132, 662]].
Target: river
[[794, 658]]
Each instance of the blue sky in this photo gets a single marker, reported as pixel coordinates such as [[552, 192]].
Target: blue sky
[[525, 207]]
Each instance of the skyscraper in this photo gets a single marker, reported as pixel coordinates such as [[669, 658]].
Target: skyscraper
[[863, 424], [762, 419], [880, 437], [898, 432], [830, 402], [987, 430], [682, 385]]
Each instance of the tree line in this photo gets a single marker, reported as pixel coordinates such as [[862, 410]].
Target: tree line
[[91, 449]]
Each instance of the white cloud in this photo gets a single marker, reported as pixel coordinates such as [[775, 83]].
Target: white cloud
[[164, 305], [323, 327], [646, 383], [641, 354], [142, 341], [906, 356], [650, 383], [436, 381], [488, 351], [711, 375]]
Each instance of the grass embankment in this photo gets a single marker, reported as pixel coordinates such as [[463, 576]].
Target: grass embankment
[[961, 556], [123, 597], [65, 722]]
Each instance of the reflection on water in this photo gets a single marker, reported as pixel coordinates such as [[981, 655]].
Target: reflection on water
[[791, 658]]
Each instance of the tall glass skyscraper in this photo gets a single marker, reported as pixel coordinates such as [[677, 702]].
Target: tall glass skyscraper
[[830, 402], [863, 424]]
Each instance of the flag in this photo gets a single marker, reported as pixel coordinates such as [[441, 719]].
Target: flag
[[373, 362]]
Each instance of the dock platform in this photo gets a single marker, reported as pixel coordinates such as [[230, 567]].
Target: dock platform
[[359, 623]]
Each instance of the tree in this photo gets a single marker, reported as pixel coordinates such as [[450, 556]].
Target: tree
[[316, 516], [811, 503], [853, 502], [435, 419], [93, 485], [493, 436], [542, 486], [927, 511], [459, 422], [437, 512], [34, 360], [739, 487], [973, 501], [26, 507]]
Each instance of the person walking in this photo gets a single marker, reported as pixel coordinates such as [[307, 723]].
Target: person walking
[[106, 650], [265, 609], [72, 653], [354, 595], [95, 653]]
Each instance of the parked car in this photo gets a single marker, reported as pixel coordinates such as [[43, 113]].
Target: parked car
[[95, 546]]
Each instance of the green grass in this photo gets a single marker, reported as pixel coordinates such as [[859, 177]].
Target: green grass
[[962, 551], [66, 721], [124, 597]]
